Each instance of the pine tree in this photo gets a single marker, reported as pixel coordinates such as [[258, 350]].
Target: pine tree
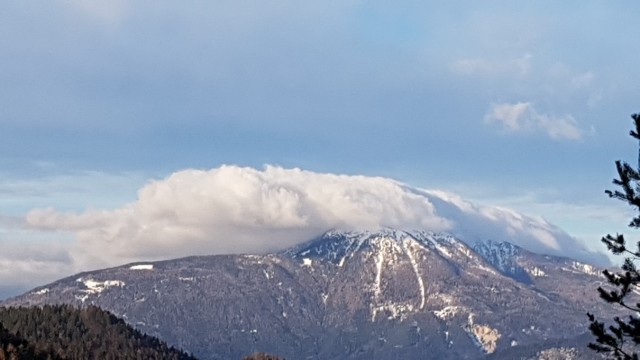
[[621, 338]]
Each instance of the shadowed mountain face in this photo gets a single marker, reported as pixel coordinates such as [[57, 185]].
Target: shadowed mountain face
[[352, 295]]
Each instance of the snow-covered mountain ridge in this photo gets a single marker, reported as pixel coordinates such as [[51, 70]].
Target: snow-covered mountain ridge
[[337, 247]]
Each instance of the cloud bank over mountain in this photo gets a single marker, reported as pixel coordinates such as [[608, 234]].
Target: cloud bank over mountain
[[234, 209]]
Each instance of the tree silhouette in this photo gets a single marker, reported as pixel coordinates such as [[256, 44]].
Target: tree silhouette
[[621, 337], [63, 332]]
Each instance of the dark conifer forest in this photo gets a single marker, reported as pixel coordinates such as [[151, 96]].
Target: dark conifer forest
[[64, 332]]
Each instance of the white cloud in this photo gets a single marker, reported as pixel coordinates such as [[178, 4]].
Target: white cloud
[[588, 221], [471, 66], [522, 117], [512, 116], [523, 64], [584, 80], [520, 66], [233, 209], [473, 222], [27, 262]]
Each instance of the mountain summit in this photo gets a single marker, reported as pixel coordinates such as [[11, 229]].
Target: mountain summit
[[386, 294]]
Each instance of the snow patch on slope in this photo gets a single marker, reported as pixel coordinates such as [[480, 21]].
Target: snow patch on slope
[[96, 287], [501, 255], [394, 311], [141, 267], [41, 291], [577, 266], [536, 272], [448, 312], [93, 287]]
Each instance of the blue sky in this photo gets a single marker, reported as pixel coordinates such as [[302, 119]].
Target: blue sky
[[517, 104]]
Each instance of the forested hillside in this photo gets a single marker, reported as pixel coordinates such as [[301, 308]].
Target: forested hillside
[[15, 347], [64, 332]]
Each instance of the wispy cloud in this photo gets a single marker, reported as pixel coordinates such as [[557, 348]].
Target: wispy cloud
[[482, 66], [584, 80], [522, 117], [66, 189]]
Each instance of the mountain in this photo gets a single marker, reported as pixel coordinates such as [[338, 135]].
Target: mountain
[[63, 332], [386, 294]]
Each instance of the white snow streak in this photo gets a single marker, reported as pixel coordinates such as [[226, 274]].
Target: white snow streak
[[376, 284], [406, 243], [444, 251]]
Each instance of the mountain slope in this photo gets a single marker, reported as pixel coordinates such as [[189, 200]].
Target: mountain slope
[[350, 295]]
